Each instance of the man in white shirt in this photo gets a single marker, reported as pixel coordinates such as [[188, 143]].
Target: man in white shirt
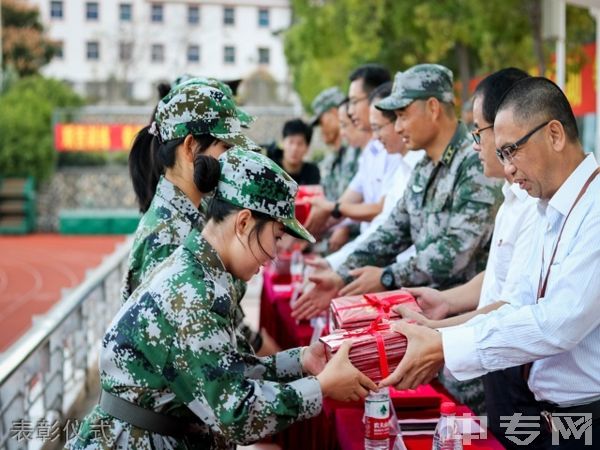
[[375, 164], [551, 319]]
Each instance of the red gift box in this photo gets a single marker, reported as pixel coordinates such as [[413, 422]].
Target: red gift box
[[359, 311], [303, 196], [376, 350]]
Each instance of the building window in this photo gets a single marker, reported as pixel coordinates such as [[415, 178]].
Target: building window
[[92, 50], [193, 53], [193, 15], [156, 12], [229, 55], [56, 10], [228, 16], [264, 56], [157, 53], [263, 18], [92, 11], [125, 51], [59, 50], [125, 12]]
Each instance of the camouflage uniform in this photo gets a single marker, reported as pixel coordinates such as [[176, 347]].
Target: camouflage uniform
[[338, 169], [171, 215], [447, 212], [173, 348]]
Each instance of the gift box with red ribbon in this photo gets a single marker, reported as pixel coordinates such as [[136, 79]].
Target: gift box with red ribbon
[[359, 311], [376, 350]]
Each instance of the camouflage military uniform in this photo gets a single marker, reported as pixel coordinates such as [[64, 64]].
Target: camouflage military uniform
[[447, 212], [338, 169], [173, 348]]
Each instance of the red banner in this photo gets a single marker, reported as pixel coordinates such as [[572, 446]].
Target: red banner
[[86, 137]]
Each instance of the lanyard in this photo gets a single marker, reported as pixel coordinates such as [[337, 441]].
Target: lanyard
[[543, 283]]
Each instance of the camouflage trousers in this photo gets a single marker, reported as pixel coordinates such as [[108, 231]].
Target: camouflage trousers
[[468, 392]]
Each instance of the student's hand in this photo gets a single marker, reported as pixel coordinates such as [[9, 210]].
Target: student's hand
[[366, 279], [340, 380], [313, 358], [431, 301], [320, 213], [408, 313], [338, 238], [317, 297], [317, 263], [423, 359]]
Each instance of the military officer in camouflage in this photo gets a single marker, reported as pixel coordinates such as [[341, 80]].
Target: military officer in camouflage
[[340, 165], [447, 211], [171, 369], [193, 123]]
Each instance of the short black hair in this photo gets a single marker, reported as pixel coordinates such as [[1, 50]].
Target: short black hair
[[538, 99], [372, 75], [297, 126], [380, 92], [493, 87]]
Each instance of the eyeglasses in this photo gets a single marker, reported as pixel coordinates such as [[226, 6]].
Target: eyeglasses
[[376, 129], [476, 133], [356, 101], [506, 153]]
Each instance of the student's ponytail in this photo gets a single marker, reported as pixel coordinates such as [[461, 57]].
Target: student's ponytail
[[144, 168]]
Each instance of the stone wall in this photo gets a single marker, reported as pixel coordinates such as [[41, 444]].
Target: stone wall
[[100, 187]]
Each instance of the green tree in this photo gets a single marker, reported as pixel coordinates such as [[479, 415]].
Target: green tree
[[471, 37], [24, 47], [26, 142]]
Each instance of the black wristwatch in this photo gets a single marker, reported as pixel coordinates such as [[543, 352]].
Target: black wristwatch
[[387, 279], [336, 213]]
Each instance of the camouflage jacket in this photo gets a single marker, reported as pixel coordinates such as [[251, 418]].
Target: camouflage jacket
[[164, 227], [173, 349], [447, 212], [337, 169]]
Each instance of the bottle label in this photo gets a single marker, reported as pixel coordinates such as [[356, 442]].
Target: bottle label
[[377, 419]]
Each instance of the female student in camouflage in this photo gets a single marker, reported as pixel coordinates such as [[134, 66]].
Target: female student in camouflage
[[171, 370], [197, 120]]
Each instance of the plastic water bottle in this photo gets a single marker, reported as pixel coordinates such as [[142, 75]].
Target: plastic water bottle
[[447, 435], [377, 420], [297, 266]]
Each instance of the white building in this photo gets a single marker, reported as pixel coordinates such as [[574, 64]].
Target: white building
[[128, 46]]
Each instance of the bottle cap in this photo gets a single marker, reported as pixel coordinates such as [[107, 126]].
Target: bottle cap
[[448, 408]]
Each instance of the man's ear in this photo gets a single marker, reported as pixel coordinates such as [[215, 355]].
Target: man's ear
[[557, 135], [433, 107]]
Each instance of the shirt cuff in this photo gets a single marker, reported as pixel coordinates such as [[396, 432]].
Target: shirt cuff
[[288, 363], [309, 391], [460, 352]]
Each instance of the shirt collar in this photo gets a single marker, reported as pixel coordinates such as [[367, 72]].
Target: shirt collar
[[563, 199], [177, 199], [513, 190], [206, 255], [375, 146], [455, 144]]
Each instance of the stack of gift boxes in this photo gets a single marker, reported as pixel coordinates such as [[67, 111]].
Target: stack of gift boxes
[[367, 320]]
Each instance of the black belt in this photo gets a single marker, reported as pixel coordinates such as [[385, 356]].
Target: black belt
[[549, 408], [145, 419]]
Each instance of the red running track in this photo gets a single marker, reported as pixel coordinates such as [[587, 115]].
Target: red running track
[[35, 268]]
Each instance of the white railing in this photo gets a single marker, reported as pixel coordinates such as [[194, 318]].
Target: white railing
[[52, 368]]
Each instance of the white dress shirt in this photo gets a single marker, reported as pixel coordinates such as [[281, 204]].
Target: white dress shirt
[[560, 332], [376, 168], [510, 243], [393, 192]]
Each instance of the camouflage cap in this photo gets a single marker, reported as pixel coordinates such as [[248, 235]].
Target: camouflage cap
[[198, 109], [329, 98], [252, 181], [419, 82], [189, 80]]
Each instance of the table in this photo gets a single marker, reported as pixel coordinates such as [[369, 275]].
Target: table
[[339, 426]]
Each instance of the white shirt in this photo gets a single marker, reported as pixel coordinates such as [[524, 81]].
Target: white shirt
[[393, 193], [510, 243], [375, 172], [561, 332]]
